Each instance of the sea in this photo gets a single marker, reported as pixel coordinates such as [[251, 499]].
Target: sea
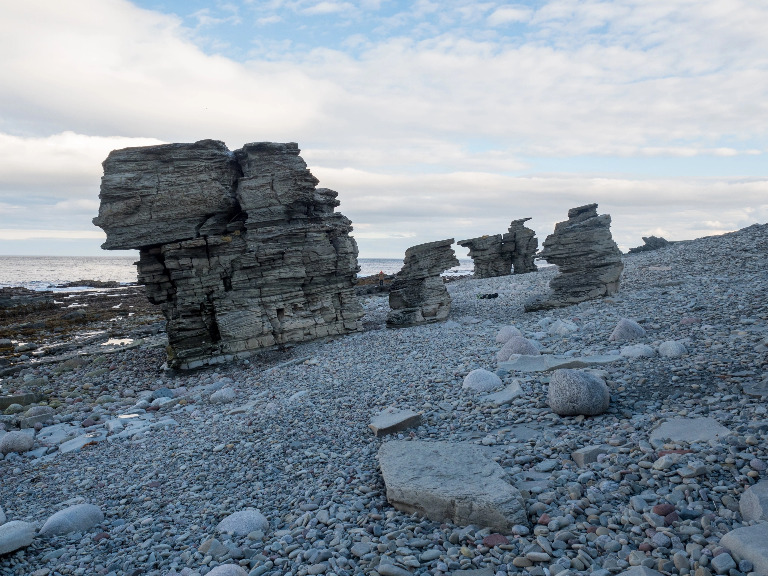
[[49, 272]]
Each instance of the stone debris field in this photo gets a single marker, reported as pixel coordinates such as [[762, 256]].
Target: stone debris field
[[624, 435]]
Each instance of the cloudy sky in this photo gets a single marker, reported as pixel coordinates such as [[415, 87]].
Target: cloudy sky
[[431, 119]]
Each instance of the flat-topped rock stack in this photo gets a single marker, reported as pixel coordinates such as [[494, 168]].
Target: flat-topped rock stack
[[241, 250], [522, 244], [488, 256], [418, 294], [588, 259]]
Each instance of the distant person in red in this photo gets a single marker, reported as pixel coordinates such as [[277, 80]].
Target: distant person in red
[[381, 278]]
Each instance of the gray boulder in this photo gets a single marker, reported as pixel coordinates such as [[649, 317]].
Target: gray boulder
[[517, 345], [77, 518], [672, 349], [243, 523], [650, 243], [2, 516], [223, 396], [753, 503], [14, 535], [449, 481], [507, 332], [15, 441], [588, 260], [626, 329], [418, 294], [749, 543], [481, 380], [637, 351], [577, 392]]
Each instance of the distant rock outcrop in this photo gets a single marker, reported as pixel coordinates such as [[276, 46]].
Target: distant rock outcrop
[[489, 258], [241, 250], [650, 243], [498, 255], [588, 259], [418, 294], [521, 243]]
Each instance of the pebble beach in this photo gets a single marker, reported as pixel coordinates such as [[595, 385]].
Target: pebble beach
[[282, 440]]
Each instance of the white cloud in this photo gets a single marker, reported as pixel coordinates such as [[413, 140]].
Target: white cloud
[[434, 134], [509, 14], [325, 7]]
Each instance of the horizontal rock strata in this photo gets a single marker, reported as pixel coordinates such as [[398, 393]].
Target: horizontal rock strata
[[488, 257], [241, 250], [521, 244], [588, 259], [418, 294]]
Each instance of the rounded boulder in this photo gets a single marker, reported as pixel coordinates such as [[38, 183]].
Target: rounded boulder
[[14, 535], [517, 345], [576, 392], [243, 522], [626, 329], [15, 441], [672, 349], [506, 333], [481, 380], [223, 396], [77, 518]]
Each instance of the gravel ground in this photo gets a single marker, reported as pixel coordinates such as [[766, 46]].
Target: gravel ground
[[291, 438]]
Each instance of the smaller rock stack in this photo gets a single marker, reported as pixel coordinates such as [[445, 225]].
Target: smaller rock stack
[[588, 259], [488, 256], [650, 243], [418, 295], [522, 245]]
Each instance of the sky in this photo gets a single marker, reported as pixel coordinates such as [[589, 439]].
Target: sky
[[432, 120]]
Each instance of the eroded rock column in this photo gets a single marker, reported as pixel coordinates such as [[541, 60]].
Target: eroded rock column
[[418, 294], [488, 257], [241, 250], [521, 244], [588, 259]]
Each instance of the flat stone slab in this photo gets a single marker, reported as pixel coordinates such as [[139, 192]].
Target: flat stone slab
[[454, 481], [394, 420], [548, 362], [504, 396], [689, 430], [749, 543], [81, 441], [756, 388]]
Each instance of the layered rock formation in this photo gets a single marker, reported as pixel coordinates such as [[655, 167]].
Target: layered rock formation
[[418, 294], [487, 256], [497, 255], [588, 259], [241, 250], [521, 243]]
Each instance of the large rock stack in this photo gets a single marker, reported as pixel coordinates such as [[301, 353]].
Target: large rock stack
[[588, 259], [241, 250], [521, 243], [418, 294], [489, 258]]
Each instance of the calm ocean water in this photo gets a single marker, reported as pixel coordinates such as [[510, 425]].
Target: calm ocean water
[[44, 272]]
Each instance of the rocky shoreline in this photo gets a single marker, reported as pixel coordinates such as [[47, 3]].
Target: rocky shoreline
[[286, 433]]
